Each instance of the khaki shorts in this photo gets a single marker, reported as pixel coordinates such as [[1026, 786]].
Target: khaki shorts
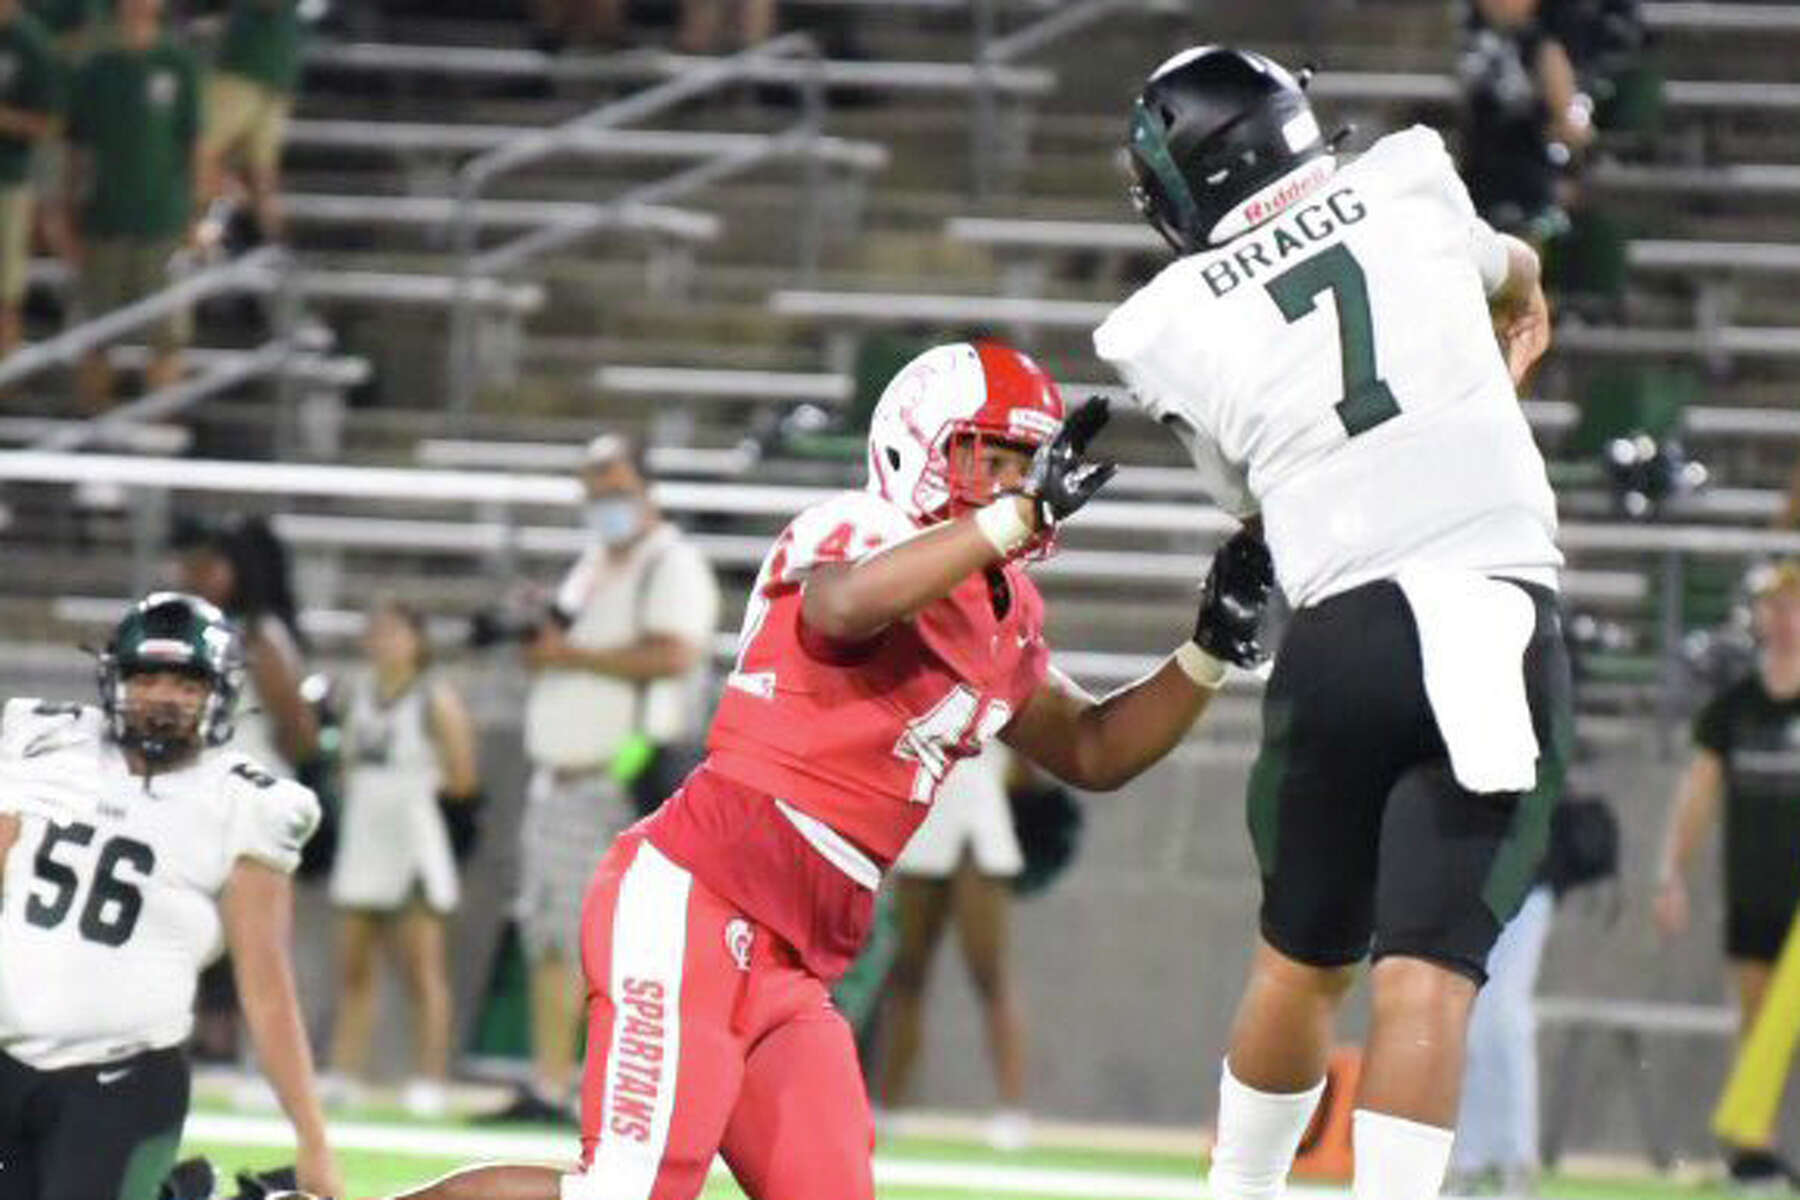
[[117, 271], [245, 120], [15, 242]]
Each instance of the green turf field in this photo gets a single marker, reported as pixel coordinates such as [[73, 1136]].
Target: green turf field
[[382, 1155]]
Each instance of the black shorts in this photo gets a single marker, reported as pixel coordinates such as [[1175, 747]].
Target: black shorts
[[91, 1133], [1366, 842]]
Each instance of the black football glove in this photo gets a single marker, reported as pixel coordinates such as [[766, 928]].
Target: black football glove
[[1061, 478], [1232, 600], [190, 1179], [275, 1184]]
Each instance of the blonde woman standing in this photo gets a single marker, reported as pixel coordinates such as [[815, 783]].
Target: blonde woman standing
[[408, 740]]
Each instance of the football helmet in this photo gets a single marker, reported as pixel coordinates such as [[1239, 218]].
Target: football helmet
[[1221, 140], [171, 631], [985, 390]]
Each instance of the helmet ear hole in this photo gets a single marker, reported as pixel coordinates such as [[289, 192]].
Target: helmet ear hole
[[893, 457]]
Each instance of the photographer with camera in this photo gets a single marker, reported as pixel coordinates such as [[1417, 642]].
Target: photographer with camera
[[617, 665]]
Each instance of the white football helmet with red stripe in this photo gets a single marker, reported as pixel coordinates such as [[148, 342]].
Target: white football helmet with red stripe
[[983, 389]]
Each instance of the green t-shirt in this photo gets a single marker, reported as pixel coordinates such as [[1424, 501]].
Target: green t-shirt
[[138, 112], [66, 16], [30, 80], [262, 42]]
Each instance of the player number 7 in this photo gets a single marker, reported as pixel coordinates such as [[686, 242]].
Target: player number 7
[[1367, 401]]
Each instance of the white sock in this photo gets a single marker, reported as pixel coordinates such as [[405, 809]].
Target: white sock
[[1258, 1134], [1397, 1159]]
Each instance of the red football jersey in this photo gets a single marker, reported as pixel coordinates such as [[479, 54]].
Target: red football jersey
[[860, 737]]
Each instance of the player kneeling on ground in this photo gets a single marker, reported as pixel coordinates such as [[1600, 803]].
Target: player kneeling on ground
[[890, 633], [133, 848]]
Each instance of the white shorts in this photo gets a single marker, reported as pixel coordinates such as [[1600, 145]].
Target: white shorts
[[970, 812], [392, 842]]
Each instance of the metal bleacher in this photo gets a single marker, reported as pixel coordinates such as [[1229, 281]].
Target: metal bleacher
[[372, 202]]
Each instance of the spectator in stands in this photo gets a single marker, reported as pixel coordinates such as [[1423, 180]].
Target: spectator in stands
[[723, 26], [247, 103], [28, 108], [133, 121], [410, 746], [1525, 117], [72, 25], [241, 567], [558, 24], [70, 22], [1604, 38], [1745, 760], [960, 864], [1790, 512], [618, 664]]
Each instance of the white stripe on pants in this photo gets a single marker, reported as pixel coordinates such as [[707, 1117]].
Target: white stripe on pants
[[649, 945], [1498, 1124]]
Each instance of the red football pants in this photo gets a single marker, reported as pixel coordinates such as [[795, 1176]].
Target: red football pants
[[706, 1035]]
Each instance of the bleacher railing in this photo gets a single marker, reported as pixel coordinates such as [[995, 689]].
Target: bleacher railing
[[1666, 550], [799, 140], [269, 271], [989, 146]]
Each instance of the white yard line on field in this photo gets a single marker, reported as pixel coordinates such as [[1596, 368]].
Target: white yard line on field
[[1076, 1183]]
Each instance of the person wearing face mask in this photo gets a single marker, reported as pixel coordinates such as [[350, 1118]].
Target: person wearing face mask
[[617, 670]]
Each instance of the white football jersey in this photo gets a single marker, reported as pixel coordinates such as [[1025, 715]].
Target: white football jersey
[[1335, 369], [109, 904]]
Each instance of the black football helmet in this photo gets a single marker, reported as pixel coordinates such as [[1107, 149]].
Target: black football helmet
[[1212, 131], [171, 631]]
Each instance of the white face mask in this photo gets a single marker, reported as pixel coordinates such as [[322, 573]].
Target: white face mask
[[613, 519]]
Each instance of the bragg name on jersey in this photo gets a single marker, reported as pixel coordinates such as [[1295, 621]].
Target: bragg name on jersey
[[1258, 255], [109, 907]]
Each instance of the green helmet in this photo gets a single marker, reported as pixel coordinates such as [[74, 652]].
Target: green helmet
[[172, 631]]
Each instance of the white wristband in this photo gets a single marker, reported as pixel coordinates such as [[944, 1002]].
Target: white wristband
[[1199, 666], [1003, 527]]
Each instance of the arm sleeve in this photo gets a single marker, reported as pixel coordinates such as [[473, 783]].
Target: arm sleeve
[[1486, 248], [682, 599], [1222, 479], [1712, 725], [271, 819], [846, 528], [1137, 340]]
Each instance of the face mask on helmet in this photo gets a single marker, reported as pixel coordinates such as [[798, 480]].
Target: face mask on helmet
[[981, 465], [161, 712], [170, 636]]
